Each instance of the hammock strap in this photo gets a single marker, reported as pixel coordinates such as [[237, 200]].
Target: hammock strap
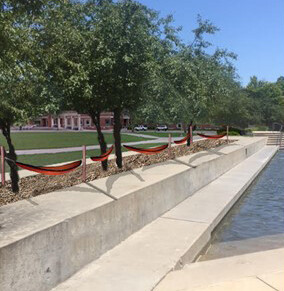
[[51, 171], [183, 140], [151, 151], [102, 157], [211, 136]]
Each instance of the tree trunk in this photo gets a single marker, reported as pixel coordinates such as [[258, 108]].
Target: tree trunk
[[184, 127], [117, 139], [101, 139], [188, 131], [11, 155]]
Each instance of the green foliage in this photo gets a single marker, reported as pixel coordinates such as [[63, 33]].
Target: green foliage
[[187, 81], [267, 100], [231, 132], [21, 96], [93, 56], [259, 128]]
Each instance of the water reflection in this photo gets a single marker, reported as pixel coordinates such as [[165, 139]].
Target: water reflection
[[257, 221]]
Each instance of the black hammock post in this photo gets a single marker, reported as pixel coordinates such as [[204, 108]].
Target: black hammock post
[[227, 133]]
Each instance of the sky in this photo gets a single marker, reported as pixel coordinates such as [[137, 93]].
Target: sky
[[253, 29]]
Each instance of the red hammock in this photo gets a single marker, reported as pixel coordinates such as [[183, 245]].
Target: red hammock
[[51, 171], [103, 156], [151, 151], [182, 140], [212, 136]]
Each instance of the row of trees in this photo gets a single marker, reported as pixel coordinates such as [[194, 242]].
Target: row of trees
[[104, 55]]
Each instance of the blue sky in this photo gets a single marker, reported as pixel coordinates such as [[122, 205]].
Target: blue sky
[[253, 29]]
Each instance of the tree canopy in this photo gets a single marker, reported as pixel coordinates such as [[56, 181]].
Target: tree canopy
[[94, 56]]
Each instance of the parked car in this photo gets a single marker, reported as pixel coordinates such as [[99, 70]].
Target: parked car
[[27, 127], [161, 127], [140, 128]]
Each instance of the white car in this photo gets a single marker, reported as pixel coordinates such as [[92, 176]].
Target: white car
[[140, 128], [161, 127]]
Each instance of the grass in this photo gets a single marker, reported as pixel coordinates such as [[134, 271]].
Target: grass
[[49, 159], [45, 140]]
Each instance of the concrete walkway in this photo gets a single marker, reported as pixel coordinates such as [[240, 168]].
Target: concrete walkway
[[250, 272], [145, 135], [141, 261]]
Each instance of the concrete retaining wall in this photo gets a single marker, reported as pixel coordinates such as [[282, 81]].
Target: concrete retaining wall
[[46, 240]]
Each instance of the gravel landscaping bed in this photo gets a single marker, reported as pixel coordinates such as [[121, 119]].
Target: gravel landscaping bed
[[39, 184]]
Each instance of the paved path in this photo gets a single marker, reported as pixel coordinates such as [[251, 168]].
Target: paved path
[[77, 149], [145, 135], [250, 272]]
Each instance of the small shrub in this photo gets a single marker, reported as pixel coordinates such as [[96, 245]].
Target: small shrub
[[259, 128], [248, 131]]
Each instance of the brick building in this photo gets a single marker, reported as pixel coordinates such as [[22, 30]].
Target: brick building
[[74, 120]]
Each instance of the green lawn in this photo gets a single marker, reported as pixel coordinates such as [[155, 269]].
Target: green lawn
[[49, 159], [45, 140]]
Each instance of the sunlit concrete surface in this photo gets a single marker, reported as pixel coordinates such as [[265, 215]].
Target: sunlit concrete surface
[[251, 272]]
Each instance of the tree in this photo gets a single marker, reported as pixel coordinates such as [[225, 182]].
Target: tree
[[196, 80], [268, 100], [20, 95], [189, 84], [75, 61], [280, 83], [127, 32], [235, 109]]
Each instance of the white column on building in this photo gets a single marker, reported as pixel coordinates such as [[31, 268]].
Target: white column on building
[[58, 123], [79, 122], [65, 122], [72, 122], [52, 122]]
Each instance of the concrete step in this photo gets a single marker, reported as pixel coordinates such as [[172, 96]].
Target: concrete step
[[276, 140], [243, 246], [273, 138], [224, 274], [266, 134], [142, 260]]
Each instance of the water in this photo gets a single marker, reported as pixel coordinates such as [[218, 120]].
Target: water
[[256, 222]]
